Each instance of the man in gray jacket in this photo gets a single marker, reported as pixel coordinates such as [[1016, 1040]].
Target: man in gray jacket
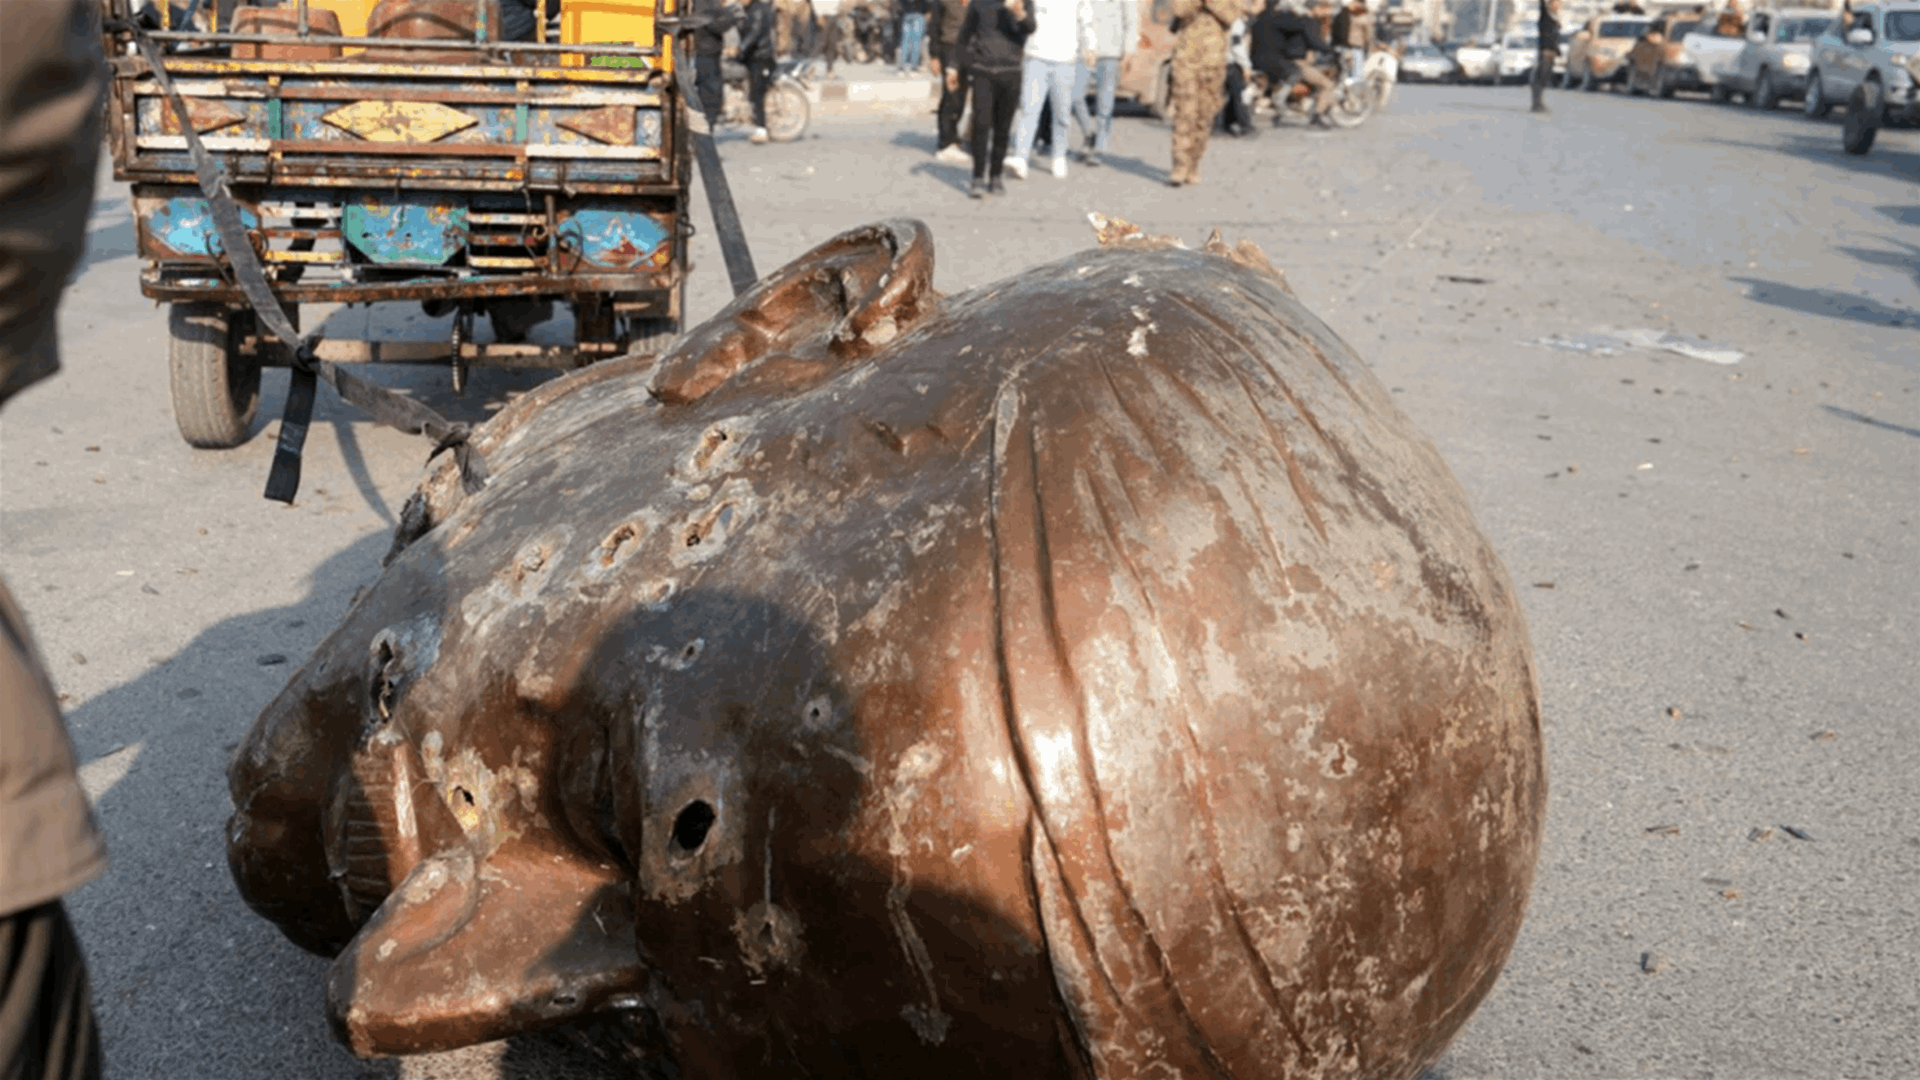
[[52, 80], [1116, 32]]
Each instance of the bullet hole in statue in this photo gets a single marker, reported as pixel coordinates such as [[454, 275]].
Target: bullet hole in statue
[[383, 681], [690, 827], [465, 794]]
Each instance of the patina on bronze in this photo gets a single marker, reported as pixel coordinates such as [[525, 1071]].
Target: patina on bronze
[[1093, 674]]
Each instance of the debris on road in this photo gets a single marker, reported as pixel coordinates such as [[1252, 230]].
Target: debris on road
[[1614, 342]]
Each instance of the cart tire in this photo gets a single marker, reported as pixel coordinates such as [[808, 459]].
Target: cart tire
[[787, 112], [1862, 121], [216, 391], [651, 336]]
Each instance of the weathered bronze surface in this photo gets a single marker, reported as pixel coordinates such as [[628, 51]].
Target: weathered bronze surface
[[1090, 675]]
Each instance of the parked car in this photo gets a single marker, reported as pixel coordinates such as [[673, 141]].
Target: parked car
[[1146, 75], [1886, 93], [1479, 61], [1599, 53], [1774, 61], [1713, 48], [1427, 63], [1874, 46], [1658, 63], [1519, 52]]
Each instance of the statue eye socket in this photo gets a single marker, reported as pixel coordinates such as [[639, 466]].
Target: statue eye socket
[[690, 828]]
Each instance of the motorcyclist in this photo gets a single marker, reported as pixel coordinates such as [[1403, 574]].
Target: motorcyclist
[[1283, 41]]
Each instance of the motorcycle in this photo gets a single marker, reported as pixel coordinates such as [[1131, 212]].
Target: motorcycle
[[787, 110], [1354, 97]]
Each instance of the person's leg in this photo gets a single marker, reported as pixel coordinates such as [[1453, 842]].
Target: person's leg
[[952, 102], [47, 1027], [1108, 71], [1033, 87], [1060, 84], [1322, 87], [711, 90], [759, 79], [983, 106], [1006, 104], [1082, 118], [1211, 86]]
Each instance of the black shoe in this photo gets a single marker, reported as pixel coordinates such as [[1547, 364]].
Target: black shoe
[[977, 189], [996, 188], [1091, 160]]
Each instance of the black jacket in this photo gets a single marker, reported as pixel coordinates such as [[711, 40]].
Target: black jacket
[[756, 31], [711, 39], [991, 38], [1280, 36]]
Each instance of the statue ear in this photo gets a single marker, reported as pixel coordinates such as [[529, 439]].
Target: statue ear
[[843, 301], [467, 951]]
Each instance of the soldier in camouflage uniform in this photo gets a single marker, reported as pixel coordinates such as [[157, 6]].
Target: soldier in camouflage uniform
[[1199, 75]]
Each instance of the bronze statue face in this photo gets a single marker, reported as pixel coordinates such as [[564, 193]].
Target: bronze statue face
[[1092, 673]]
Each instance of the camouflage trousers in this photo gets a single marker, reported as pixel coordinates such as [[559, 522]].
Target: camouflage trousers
[[1199, 78]]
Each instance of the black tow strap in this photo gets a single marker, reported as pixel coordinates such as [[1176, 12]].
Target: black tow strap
[[726, 217], [385, 406]]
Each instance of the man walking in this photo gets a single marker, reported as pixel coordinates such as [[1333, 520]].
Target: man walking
[[52, 83], [1062, 39], [1199, 79], [1116, 27], [1549, 49], [950, 67]]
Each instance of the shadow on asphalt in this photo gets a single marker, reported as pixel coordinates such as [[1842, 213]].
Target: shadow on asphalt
[[1828, 302], [1907, 261], [1898, 164], [1862, 418], [1904, 215]]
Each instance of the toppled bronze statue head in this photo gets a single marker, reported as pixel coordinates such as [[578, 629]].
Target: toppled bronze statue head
[[1093, 674]]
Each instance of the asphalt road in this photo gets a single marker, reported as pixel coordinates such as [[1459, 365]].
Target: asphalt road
[[1719, 561]]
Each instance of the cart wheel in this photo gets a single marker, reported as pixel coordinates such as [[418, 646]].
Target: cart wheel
[[787, 112], [650, 336], [1862, 121], [215, 389]]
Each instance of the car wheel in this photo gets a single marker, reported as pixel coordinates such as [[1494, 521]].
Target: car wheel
[[1817, 105], [1864, 114], [1765, 96]]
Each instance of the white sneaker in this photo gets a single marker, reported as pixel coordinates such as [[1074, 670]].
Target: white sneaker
[[1016, 167], [952, 154], [1060, 166], [759, 135]]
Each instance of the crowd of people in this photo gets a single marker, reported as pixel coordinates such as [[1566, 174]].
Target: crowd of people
[[1026, 69]]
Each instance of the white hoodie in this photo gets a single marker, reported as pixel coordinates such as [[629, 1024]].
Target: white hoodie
[[1062, 32]]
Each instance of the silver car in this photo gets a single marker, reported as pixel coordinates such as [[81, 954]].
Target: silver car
[[1426, 63], [1874, 46], [1773, 64]]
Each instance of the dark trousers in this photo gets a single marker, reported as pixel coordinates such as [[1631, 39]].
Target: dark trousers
[[759, 78], [1237, 117], [996, 98], [711, 86], [46, 1013], [952, 102]]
